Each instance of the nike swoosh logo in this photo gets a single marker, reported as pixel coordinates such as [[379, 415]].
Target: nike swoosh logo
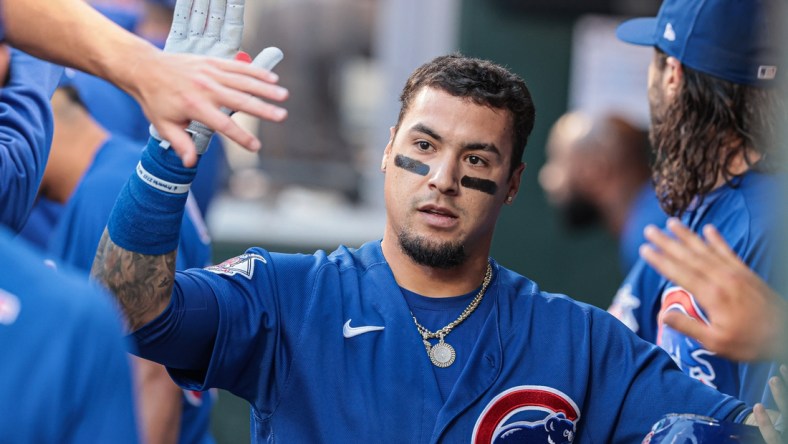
[[349, 332]]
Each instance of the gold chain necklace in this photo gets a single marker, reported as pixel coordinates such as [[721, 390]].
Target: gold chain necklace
[[442, 354]]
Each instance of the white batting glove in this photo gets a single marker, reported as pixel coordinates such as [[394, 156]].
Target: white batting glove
[[201, 134], [212, 28]]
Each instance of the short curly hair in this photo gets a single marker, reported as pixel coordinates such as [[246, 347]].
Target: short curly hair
[[483, 82]]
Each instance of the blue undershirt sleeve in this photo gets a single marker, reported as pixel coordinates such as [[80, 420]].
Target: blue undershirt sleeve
[[182, 337], [26, 128]]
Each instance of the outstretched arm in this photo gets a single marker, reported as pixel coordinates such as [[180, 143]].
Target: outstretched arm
[[173, 89], [748, 319], [136, 255], [141, 283]]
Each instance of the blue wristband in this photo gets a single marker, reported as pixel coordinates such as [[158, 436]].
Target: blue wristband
[[147, 215]]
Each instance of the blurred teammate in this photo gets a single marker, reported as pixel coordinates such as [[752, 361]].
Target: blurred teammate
[[597, 169], [418, 337], [60, 337], [86, 170], [715, 113]]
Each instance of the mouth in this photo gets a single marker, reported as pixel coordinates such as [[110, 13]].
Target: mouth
[[438, 216]]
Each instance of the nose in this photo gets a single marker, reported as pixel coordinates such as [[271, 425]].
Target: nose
[[445, 177]]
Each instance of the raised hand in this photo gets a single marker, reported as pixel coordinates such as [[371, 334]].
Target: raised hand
[[747, 319]]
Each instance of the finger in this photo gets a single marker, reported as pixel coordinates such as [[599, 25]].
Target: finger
[[686, 325], [180, 20], [268, 58], [221, 123], [687, 237], [233, 27], [717, 243], [180, 141], [199, 17], [250, 86], [777, 386], [215, 18], [246, 69], [770, 435], [670, 258]]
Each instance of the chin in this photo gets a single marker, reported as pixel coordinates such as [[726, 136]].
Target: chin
[[428, 251]]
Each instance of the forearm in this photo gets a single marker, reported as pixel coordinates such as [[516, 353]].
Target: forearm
[[141, 283], [71, 32], [160, 403]]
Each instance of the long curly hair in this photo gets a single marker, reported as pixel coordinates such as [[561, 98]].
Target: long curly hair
[[700, 133]]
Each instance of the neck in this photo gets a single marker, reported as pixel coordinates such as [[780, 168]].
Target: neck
[[431, 281], [739, 165]]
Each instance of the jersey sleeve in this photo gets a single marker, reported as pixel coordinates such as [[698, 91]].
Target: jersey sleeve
[[26, 129], [641, 381], [233, 326]]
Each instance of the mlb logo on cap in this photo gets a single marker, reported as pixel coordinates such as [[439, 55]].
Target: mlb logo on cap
[[735, 40]]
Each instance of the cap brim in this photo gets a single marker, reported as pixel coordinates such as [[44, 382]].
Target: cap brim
[[639, 31]]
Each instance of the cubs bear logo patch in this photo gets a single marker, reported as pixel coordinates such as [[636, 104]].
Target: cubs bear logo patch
[[528, 414], [243, 265]]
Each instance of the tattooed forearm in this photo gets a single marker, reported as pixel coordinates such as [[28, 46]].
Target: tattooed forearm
[[142, 284]]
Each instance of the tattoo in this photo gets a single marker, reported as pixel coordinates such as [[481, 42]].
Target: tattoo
[[483, 185], [412, 165], [141, 283]]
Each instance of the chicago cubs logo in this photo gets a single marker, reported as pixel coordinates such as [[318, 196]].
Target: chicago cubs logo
[[688, 353], [243, 265], [528, 414]]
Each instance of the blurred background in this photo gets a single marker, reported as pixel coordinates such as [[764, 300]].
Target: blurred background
[[316, 183]]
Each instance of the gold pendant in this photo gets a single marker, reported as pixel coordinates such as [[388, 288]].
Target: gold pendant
[[442, 354]]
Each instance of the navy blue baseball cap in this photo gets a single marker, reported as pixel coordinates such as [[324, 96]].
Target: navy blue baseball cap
[[735, 40]]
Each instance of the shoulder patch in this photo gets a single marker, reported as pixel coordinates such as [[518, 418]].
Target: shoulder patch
[[243, 265]]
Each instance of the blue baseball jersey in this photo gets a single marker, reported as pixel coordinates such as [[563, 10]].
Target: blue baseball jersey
[[324, 348], [79, 228], [42, 220], [645, 210], [745, 216], [65, 374], [26, 128]]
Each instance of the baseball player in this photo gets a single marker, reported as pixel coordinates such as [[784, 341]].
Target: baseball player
[[597, 170], [715, 115], [418, 337], [65, 375], [86, 170], [25, 134]]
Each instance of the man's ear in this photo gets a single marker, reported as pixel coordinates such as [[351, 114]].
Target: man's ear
[[672, 77], [514, 183], [387, 151]]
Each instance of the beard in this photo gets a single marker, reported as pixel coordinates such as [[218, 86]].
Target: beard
[[431, 254], [579, 213]]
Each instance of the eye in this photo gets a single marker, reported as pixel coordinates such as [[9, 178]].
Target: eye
[[476, 161], [423, 145]]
